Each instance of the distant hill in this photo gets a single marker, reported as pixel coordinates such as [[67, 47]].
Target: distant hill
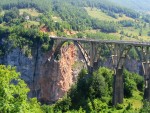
[[104, 19], [140, 5]]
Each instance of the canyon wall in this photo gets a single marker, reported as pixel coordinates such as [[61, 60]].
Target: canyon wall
[[49, 79], [131, 65]]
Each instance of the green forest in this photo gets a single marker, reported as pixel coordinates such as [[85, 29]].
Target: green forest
[[68, 18], [27, 24], [90, 94], [144, 4]]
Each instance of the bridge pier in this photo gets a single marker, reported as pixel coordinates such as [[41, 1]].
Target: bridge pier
[[145, 53], [146, 68], [118, 87], [92, 56], [148, 89], [119, 56]]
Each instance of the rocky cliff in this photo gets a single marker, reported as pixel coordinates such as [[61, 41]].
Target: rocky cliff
[[131, 65], [48, 80]]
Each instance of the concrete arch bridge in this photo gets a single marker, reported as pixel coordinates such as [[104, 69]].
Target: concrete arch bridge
[[91, 50]]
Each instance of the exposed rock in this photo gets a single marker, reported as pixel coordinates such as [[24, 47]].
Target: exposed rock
[[57, 76], [130, 64], [48, 80]]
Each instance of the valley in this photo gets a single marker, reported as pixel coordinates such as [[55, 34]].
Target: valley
[[40, 74]]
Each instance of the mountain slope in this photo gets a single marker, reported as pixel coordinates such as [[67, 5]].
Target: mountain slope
[[141, 5]]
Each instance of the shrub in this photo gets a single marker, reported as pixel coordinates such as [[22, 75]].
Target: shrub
[[63, 105]]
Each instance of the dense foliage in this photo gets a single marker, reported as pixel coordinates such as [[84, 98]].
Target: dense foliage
[[42, 6], [93, 93], [101, 36], [127, 23], [72, 12], [25, 39], [13, 93], [143, 5], [146, 107], [132, 82], [73, 16]]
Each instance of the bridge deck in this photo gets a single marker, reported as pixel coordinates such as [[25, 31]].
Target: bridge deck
[[135, 43]]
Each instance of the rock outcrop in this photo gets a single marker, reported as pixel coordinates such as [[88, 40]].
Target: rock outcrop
[[47, 80], [131, 65], [57, 76]]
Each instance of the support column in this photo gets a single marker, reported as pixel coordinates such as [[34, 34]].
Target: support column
[[118, 57], [146, 68], [118, 87], [92, 54], [148, 89], [57, 42], [145, 53]]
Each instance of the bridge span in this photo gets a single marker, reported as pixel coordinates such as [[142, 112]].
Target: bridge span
[[135, 43], [92, 49]]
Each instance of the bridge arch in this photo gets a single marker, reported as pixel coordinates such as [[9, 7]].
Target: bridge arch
[[78, 45]]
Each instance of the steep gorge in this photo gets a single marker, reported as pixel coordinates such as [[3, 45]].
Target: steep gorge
[[47, 80]]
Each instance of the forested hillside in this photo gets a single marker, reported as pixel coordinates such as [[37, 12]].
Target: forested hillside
[[63, 18], [25, 26], [140, 5]]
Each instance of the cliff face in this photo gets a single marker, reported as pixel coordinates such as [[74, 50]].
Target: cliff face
[[48, 80], [57, 76], [131, 65]]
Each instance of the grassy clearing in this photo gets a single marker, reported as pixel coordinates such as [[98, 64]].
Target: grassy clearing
[[135, 102], [30, 23], [135, 32], [124, 18], [2, 13], [32, 12], [34, 23], [98, 14], [129, 32], [124, 37], [57, 19]]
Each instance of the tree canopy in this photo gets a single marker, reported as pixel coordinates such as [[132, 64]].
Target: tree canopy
[[13, 93]]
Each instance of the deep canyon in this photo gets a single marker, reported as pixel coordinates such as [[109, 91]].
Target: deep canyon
[[49, 79]]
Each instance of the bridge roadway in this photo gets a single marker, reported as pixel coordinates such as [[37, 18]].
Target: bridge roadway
[[135, 43]]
